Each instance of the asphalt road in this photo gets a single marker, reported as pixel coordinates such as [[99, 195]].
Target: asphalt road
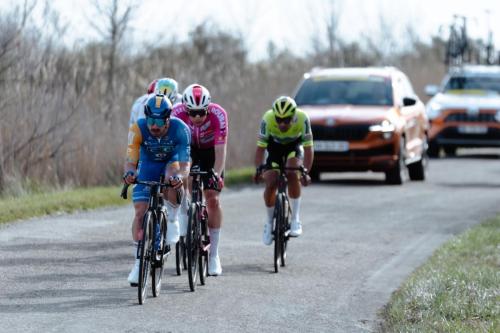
[[361, 239]]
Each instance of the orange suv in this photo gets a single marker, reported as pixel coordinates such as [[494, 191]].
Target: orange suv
[[365, 119]]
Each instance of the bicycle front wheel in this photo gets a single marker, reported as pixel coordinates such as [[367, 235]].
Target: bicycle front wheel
[[277, 231], [145, 252], [159, 255], [285, 229], [193, 245], [204, 241]]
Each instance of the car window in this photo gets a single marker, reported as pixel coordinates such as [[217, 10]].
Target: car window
[[353, 91], [491, 84]]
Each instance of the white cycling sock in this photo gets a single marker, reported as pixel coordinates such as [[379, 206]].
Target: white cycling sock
[[214, 241], [270, 214], [295, 205], [173, 211]]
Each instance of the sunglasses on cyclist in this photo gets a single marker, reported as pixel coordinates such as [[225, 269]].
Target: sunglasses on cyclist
[[160, 122], [285, 120], [194, 113]]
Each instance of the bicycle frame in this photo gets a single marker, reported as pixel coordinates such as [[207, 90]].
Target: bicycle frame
[[282, 212], [198, 240]]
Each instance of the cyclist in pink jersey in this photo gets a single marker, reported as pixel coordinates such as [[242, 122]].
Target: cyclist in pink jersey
[[209, 127]]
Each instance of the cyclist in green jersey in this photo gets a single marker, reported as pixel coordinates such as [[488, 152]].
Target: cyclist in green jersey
[[285, 132]]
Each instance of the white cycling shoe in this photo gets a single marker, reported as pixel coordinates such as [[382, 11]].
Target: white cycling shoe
[[133, 277], [214, 267], [295, 228], [267, 237], [172, 232]]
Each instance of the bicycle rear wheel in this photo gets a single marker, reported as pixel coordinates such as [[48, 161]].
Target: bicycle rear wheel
[[277, 220], [193, 245], [159, 261], [180, 255], [145, 255]]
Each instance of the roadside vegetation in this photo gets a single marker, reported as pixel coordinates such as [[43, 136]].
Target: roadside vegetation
[[65, 108], [457, 290], [42, 201]]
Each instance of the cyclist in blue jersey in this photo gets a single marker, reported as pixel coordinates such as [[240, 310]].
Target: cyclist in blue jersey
[[157, 145]]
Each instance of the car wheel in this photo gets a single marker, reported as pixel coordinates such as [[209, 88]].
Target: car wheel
[[433, 149], [314, 174], [416, 170], [395, 175], [450, 151]]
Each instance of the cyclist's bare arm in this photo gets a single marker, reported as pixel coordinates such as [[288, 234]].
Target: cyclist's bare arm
[[220, 157], [308, 157]]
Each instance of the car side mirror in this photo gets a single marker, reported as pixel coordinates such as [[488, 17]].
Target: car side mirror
[[409, 101], [431, 90]]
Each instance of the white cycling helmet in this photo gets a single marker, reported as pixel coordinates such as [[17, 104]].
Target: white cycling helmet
[[196, 97]]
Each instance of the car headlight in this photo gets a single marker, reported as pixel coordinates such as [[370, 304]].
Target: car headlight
[[433, 110], [385, 127]]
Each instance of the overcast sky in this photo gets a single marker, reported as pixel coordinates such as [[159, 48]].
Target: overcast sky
[[288, 23]]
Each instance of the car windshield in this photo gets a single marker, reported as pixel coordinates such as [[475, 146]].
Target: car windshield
[[490, 84], [352, 91]]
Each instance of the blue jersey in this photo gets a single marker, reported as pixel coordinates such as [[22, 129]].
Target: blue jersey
[[174, 146]]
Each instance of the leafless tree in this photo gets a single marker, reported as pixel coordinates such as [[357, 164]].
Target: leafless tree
[[117, 16]]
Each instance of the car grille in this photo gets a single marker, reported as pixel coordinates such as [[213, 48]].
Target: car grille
[[465, 117], [387, 149], [341, 132], [452, 133]]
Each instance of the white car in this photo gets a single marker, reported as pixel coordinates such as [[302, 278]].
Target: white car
[[465, 110]]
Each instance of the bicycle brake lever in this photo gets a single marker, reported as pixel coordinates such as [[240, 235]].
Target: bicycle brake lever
[[124, 191]]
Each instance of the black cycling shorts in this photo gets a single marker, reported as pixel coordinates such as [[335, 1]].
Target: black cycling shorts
[[279, 153], [205, 158]]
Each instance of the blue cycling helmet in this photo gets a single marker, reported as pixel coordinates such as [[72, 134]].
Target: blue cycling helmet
[[157, 106]]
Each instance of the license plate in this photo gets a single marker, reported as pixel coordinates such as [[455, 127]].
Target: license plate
[[338, 146], [473, 129]]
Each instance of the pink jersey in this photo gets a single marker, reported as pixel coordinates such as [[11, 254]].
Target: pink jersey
[[213, 131]]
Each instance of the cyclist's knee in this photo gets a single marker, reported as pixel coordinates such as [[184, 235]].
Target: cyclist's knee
[[212, 201], [140, 210], [292, 176]]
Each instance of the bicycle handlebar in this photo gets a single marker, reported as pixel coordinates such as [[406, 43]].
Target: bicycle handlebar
[[149, 183], [301, 168]]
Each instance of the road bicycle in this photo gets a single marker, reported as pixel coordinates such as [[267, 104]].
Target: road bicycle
[[197, 238], [282, 213], [153, 248]]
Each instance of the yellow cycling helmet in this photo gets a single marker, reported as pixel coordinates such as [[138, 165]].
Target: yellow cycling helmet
[[284, 107]]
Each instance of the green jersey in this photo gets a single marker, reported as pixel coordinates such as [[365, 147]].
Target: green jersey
[[300, 129]]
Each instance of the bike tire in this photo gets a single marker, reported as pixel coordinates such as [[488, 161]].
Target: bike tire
[[184, 255], [159, 261], [193, 245], [285, 226], [203, 258], [145, 256], [178, 255], [277, 232]]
